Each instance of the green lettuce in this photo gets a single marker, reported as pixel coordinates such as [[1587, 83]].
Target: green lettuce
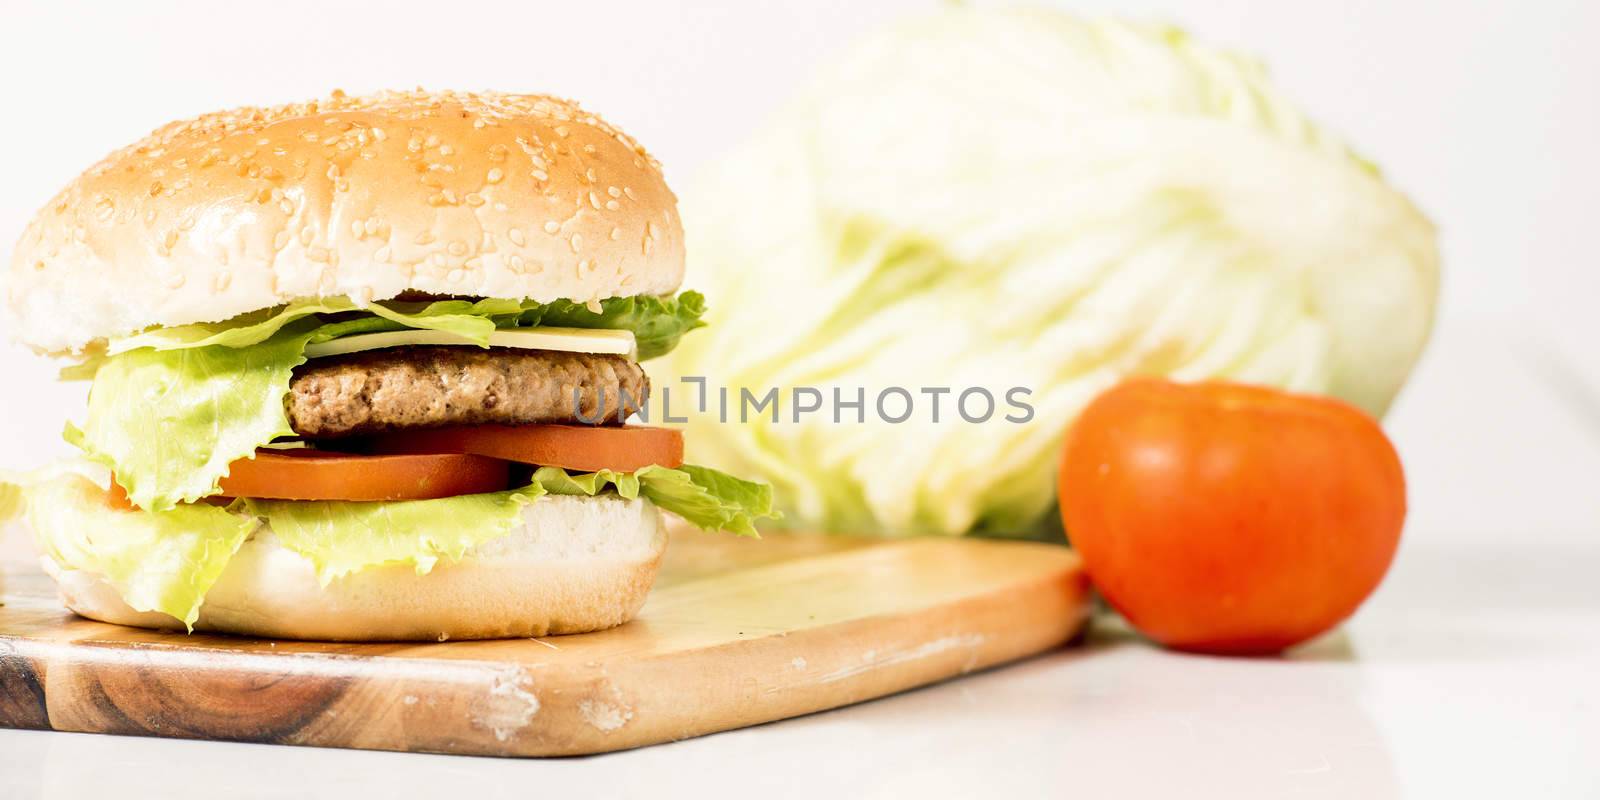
[[340, 538], [171, 408], [162, 561], [166, 561], [657, 322], [169, 422], [474, 320], [996, 197], [704, 497]]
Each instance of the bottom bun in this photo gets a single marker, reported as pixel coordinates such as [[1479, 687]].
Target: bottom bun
[[576, 564]]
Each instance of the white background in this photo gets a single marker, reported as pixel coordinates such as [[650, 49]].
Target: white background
[[1487, 114]]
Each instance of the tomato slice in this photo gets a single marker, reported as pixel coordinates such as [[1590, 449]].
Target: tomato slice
[[581, 448], [304, 474], [320, 475]]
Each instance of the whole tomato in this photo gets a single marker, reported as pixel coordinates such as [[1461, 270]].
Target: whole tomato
[[1226, 518]]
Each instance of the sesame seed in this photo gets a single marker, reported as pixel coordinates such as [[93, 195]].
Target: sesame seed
[[516, 237], [495, 174], [457, 248], [552, 227], [576, 242]]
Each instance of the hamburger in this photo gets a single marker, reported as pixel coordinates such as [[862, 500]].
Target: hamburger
[[360, 369]]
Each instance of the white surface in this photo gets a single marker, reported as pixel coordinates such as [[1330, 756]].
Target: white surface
[[1475, 672]]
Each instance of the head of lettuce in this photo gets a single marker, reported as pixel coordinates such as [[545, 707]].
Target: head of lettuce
[[360, 368], [1020, 198]]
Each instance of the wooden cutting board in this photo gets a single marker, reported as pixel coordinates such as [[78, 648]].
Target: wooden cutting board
[[737, 632]]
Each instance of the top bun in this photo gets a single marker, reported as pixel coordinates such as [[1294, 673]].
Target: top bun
[[488, 195]]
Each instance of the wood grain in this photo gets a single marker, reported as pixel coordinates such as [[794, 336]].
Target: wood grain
[[737, 632]]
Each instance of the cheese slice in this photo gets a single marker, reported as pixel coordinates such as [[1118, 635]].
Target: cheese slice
[[566, 340]]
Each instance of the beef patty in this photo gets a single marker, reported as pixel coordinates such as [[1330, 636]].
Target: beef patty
[[421, 387]]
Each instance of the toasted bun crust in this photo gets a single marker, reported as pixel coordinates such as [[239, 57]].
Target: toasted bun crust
[[577, 564], [493, 195]]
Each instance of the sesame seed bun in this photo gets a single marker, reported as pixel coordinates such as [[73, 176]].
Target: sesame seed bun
[[490, 195], [576, 564]]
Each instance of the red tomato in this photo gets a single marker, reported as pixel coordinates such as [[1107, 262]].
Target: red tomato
[[1226, 518], [585, 448], [303, 474]]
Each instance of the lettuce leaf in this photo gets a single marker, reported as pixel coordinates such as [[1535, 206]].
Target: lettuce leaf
[[708, 499], [169, 422], [1133, 202], [656, 322], [341, 538], [472, 319], [704, 497], [162, 561]]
